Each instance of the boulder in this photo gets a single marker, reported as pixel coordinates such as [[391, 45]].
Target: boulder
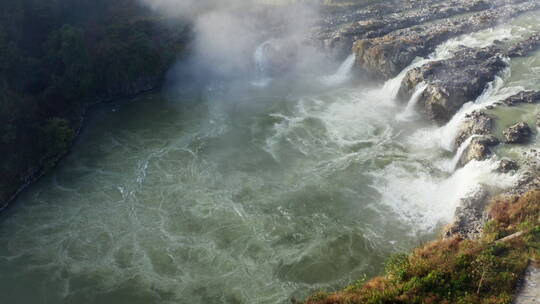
[[522, 97], [525, 47], [478, 149], [476, 123], [470, 216], [454, 81], [517, 133], [507, 165]]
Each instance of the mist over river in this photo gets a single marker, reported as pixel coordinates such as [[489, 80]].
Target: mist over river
[[242, 191]]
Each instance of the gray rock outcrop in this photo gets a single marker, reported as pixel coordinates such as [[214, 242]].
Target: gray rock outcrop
[[517, 133], [476, 123], [453, 82], [386, 56], [470, 216], [479, 149], [507, 165], [522, 97], [340, 41], [531, 44]]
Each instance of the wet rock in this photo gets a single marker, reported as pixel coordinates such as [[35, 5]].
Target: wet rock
[[523, 97], [386, 56], [517, 133], [527, 46], [340, 41], [334, 30], [470, 216], [453, 82], [327, 33], [507, 165], [479, 149], [476, 123], [530, 179]]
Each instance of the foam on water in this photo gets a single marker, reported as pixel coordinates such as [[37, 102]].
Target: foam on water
[[164, 202], [427, 201]]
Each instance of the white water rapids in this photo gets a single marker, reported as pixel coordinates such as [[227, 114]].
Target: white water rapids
[[239, 194]]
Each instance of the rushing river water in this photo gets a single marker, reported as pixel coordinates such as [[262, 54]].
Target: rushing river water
[[216, 198]]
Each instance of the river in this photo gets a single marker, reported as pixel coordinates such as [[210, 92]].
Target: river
[[238, 193]]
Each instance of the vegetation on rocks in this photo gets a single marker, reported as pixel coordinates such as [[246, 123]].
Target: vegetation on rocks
[[458, 270]]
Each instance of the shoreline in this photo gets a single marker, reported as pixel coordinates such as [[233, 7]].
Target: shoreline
[[5, 206]]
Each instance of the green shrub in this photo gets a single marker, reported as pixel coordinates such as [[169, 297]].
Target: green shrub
[[456, 270]]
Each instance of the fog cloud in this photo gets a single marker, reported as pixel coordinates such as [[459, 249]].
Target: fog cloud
[[227, 32]]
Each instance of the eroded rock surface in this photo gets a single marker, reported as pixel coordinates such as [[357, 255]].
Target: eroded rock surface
[[386, 56], [340, 41], [522, 97], [507, 165], [470, 216], [517, 133], [462, 78], [479, 149], [453, 82], [476, 123], [526, 47]]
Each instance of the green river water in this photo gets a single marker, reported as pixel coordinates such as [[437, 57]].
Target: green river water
[[233, 194]]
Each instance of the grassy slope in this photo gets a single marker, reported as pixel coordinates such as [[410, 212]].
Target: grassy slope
[[457, 270]]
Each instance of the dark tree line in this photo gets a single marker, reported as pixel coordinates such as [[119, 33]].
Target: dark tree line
[[59, 56]]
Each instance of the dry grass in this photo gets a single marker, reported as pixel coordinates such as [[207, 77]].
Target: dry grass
[[457, 270]]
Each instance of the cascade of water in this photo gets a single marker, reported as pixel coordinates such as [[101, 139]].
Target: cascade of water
[[391, 87], [490, 95], [410, 111], [461, 150], [260, 59], [342, 74], [469, 179]]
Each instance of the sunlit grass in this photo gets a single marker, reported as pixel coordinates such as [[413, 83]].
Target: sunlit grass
[[457, 270]]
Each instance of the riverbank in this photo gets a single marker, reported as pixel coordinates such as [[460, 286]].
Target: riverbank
[[459, 270], [113, 52], [42, 169], [265, 186], [486, 248]]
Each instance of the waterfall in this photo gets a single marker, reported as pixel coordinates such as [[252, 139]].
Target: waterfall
[[346, 67], [461, 150], [260, 58], [391, 87], [449, 132], [470, 179], [342, 74], [445, 50], [410, 111]]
